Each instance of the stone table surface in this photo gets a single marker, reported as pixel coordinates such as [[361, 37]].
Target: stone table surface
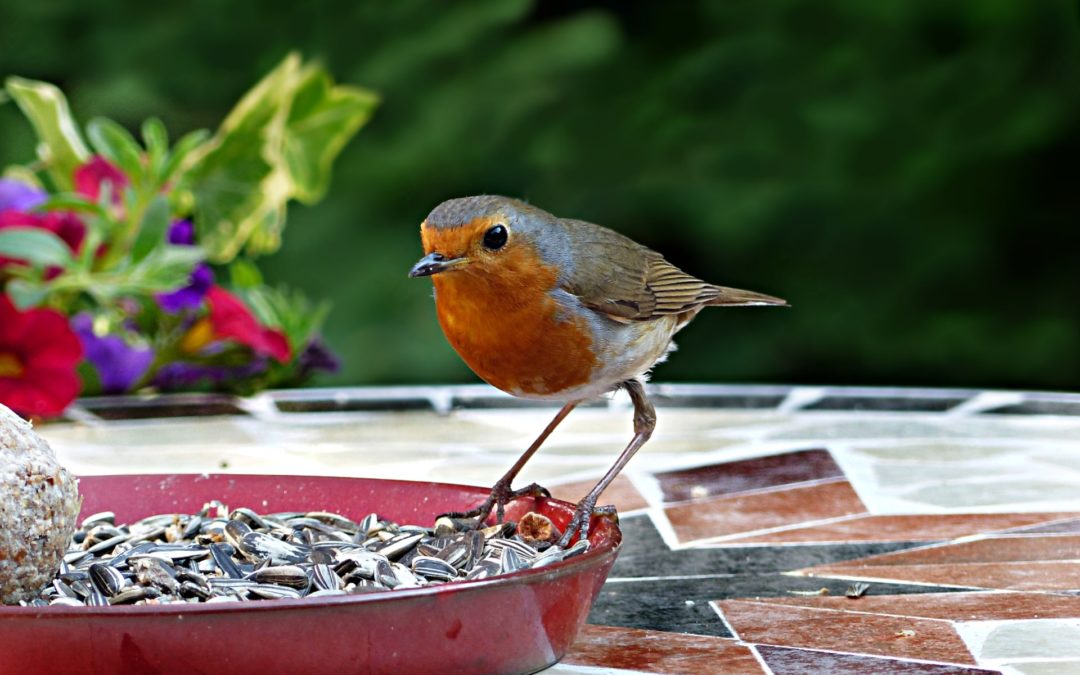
[[747, 518]]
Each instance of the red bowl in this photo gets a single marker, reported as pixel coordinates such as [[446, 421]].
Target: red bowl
[[518, 623]]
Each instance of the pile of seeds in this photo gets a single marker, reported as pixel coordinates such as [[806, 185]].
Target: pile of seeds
[[218, 555]]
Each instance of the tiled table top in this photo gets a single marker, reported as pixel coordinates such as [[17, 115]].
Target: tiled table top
[[747, 517]]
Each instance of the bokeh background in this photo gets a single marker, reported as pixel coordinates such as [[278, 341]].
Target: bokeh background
[[905, 172]]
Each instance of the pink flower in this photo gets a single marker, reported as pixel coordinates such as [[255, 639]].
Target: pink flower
[[230, 319], [38, 355], [90, 176]]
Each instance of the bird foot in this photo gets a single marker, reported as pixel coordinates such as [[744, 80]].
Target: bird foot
[[500, 496], [582, 518]]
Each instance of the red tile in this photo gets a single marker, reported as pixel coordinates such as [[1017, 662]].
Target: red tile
[[621, 493], [973, 606], [748, 474], [1064, 526], [651, 651], [901, 528], [989, 549], [787, 661], [735, 514], [1012, 576], [851, 632]]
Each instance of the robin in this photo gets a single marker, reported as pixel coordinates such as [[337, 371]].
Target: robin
[[556, 309]]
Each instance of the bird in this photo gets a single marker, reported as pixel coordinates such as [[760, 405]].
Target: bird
[[560, 310]]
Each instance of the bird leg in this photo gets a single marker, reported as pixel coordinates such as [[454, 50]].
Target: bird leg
[[644, 423], [501, 494]]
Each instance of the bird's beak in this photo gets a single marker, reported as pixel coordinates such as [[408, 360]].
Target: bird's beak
[[433, 263]]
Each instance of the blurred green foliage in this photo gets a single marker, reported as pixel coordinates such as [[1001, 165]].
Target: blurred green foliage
[[903, 171]]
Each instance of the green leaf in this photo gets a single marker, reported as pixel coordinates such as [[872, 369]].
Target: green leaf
[[166, 268], [322, 119], [152, 230], [277, 143], [61, 147], [156, 140], [244, 274], [71, 201], [117, 145], [187, 144], [34, 245], [25, 294]]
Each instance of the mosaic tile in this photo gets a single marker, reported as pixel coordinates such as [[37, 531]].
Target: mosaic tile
[[1020, 640], [728, 515], [985, 550], [969, 606], [748, 474], [955, 451], [879, 635], [790, 661], [1060, 667], [1037, 406], [1015, 494], [621, 493], [1014, 576], [1066, 526], [644, 554], [901, 528], [657, 652], [175, 405], [887, 403]]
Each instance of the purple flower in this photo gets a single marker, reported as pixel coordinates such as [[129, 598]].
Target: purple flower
[[182, 233], [19, 196], [175, 376], [190, 296], [119, 365], [317, 356]]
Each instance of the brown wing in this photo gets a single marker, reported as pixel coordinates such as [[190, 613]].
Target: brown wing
[[629, 282]]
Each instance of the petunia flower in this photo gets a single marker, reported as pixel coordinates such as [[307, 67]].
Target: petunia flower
[[317, 356], [94, 173], [178, 375], [119, 365], [190, 296], [38, 355], [182, 233], [18, 196], [230, 319]]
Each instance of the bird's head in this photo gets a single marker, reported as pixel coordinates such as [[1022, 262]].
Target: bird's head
[[486, 235]]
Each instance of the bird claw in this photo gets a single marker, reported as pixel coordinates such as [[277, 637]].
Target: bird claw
[[582, 518], [500, 496]]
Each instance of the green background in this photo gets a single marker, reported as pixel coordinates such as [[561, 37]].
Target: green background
[[903, 172]]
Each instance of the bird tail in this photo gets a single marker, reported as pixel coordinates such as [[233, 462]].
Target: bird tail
[[735, 296]]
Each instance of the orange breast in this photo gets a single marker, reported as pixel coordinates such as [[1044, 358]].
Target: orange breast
[[506, 326]]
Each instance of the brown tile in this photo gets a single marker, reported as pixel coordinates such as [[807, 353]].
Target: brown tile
[[1011, 576], [621, 493], [901, 528], [748, 474], [987, 550], [788, 661], [651, 651], [973, 606], [1063, 526], [720, 516], [856, 633]]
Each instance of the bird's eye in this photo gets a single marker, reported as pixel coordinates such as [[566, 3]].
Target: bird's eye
[[495, 238]]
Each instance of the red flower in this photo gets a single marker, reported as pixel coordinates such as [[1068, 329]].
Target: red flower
[[38, 355], [90, 176], [230, 319], [63, 224]]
